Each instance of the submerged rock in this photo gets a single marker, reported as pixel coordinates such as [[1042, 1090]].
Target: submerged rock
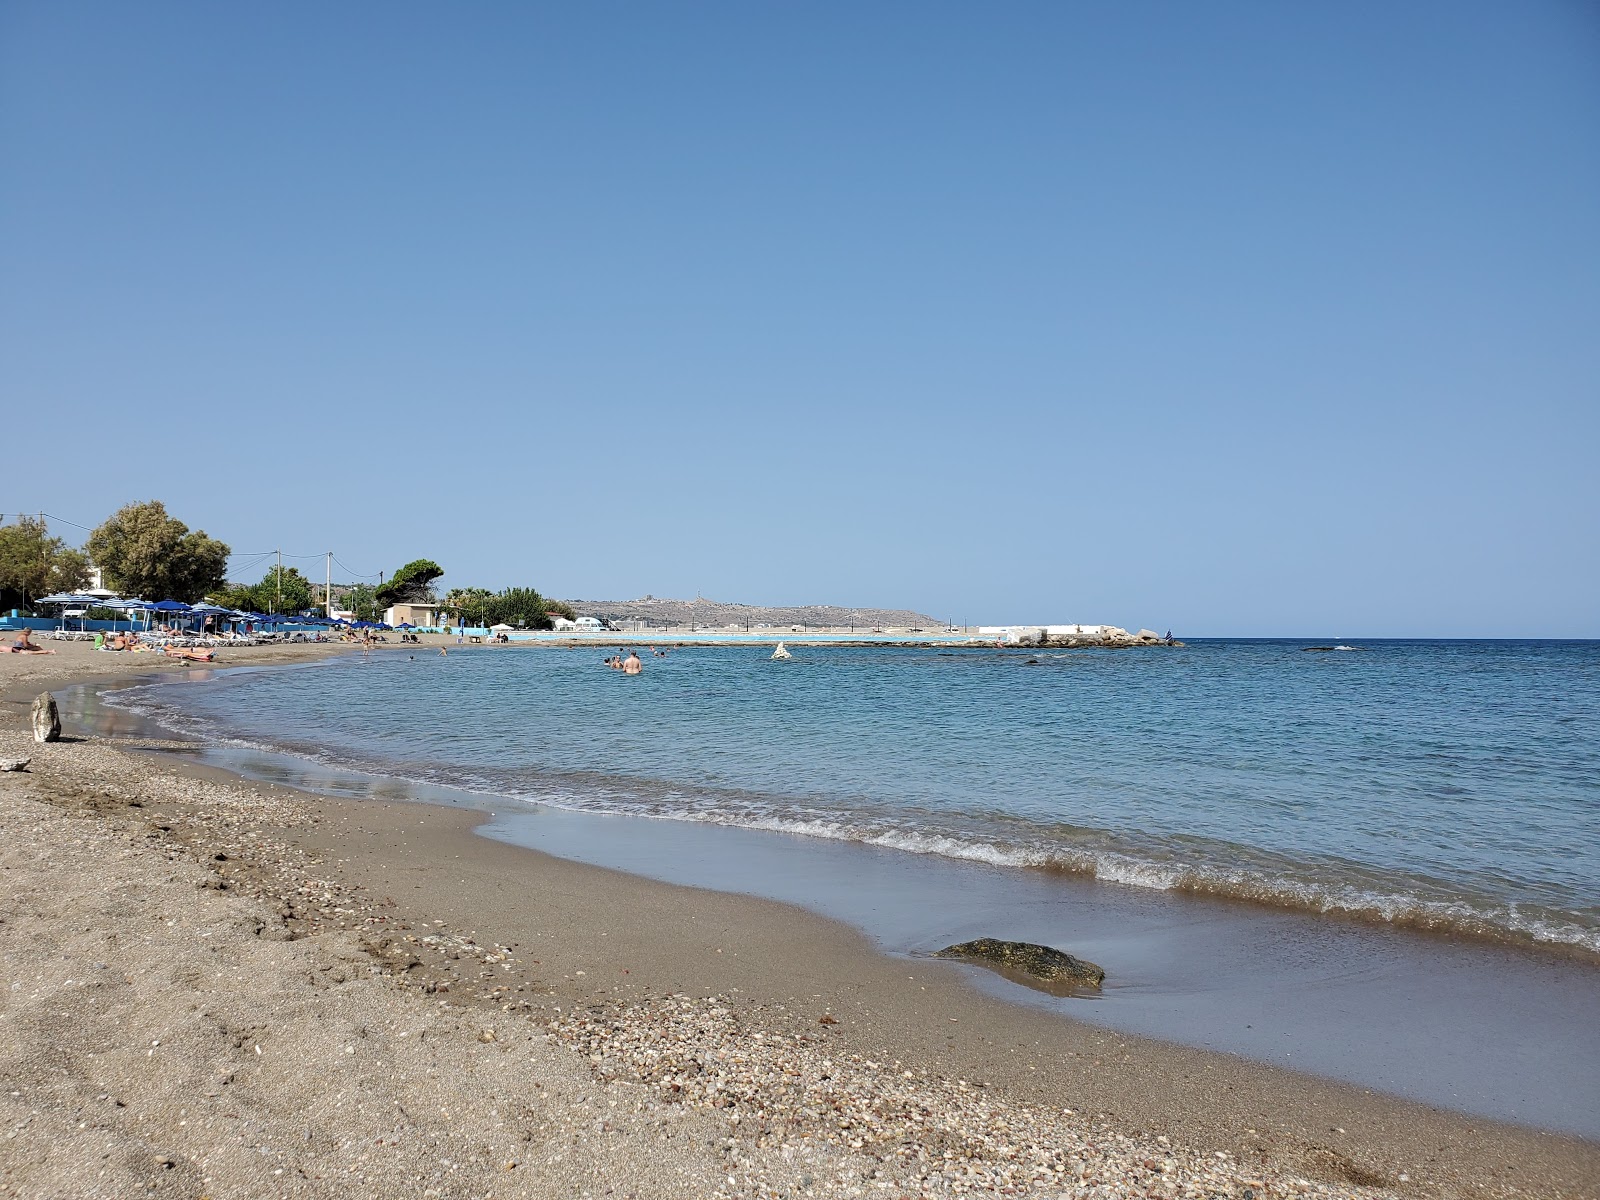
[[1028, 963], [46, 719]]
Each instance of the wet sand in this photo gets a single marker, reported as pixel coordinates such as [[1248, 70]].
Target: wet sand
[[439, 927]]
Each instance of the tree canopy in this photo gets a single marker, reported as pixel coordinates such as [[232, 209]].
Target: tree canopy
[[34, 564], [412, 584], [513, 606], [144, 552], [362, 599], [291, 592]]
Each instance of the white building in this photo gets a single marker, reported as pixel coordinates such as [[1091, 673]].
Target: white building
[[1015, 632]]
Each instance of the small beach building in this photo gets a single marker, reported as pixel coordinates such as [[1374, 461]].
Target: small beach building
[[423, 616], [588, 625]]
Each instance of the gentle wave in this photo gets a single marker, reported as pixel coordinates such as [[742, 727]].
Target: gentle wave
[[1285, 887]]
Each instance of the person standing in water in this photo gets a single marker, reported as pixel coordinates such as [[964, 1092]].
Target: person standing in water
[[631, 665]]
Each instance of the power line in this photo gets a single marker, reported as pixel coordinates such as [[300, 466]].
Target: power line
[[245, 560], [62, 520], [354, 574]]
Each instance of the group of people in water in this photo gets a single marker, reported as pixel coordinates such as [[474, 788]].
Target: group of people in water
[[631, 665]]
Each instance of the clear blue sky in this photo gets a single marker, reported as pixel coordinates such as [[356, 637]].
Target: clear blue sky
[[1239, 318]]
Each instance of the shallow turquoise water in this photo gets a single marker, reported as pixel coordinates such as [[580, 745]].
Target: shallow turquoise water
[[1449, 784]]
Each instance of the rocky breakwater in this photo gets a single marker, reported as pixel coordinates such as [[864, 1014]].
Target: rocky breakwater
[[1109, 636], [1032, 965]]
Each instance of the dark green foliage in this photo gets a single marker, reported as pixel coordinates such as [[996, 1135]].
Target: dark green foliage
[[479, 607], [34, 564], [363, 601], [144, 552], [469, 605], [69, 570], [522, 607], [412, 584], [296, 594]]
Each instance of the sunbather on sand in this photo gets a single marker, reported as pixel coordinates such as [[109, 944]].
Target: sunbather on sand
[[190, 655], [24, 646]]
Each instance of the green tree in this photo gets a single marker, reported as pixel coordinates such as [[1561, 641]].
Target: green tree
[[144, 552], [469, 604], [70, 571], [480, 607], [412, 584], [34, 564], [294, 595], [523, 607], [285, 591], [363, 601], [234, 595]]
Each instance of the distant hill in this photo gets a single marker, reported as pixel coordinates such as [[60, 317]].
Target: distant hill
[[711, 614]]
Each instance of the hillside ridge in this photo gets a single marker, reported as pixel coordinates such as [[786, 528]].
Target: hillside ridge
[[703, 613]]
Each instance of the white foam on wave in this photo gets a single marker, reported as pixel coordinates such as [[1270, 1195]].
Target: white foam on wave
[[1279, 888], [1274, 889]]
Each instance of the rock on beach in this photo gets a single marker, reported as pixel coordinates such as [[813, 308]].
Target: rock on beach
[[46, 719], [1044, 963]]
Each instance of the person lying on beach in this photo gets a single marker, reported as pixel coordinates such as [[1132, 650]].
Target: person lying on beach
[[23, 645], [190, 655]]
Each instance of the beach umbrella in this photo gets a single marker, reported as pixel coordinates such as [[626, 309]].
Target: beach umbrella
[[170, 606]]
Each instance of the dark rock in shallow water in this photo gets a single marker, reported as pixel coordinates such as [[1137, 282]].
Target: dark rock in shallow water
[[1028, 963]]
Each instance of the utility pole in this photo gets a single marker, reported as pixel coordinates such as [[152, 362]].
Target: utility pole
[[328, 593], [279, 602]]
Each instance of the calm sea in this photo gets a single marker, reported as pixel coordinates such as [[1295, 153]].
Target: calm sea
[[1452, 785]]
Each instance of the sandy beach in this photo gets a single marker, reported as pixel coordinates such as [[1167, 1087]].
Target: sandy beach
[[224, 988]]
